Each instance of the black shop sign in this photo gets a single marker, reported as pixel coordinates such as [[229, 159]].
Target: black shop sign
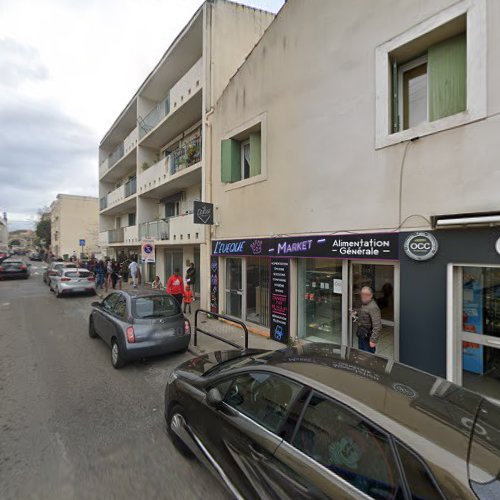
[[280, 313], [375, 246], [203, 213]]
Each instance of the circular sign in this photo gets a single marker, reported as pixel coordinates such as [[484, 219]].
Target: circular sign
[[421, 246], [148, 248]]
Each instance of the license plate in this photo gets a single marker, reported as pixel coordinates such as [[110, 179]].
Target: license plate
[[78, 289]]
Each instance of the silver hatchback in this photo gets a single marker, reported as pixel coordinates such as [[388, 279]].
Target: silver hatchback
[[69, 281]]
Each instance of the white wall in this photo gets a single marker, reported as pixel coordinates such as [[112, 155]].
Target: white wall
[[313, 76]]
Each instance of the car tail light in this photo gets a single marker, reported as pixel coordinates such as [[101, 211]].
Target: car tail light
[[65, 279], [91, 278], [23, 268], [187, 327], [130, 335], [1, 268]]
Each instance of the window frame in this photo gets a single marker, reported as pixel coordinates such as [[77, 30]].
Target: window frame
[[476, 74], [243, 144], [402, 69]]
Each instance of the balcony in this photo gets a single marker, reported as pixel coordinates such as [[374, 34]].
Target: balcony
[[131, 235], [157, 230], [164, 177], [103, 238], [131, 187], [119, 196], [184, 100], [116, 236], [122, 157], [103, 203]]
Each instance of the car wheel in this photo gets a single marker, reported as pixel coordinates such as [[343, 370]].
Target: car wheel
[[176, 417], [116, 356], [92, 332]]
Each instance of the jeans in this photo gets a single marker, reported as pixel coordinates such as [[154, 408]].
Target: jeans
[[99, 281], [178, 297], [188, 306], [364, 345]]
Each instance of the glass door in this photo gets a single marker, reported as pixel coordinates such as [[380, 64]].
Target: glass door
[[382, 279], [257, 290], [234, 287], [476, 363]]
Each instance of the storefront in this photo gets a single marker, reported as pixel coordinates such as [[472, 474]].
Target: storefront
[[438, 293]]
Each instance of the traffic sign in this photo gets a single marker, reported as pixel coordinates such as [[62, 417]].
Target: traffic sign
[[148, 250], [82, 243]]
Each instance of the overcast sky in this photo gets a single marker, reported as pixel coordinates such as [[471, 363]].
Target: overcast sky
[[67, 69]]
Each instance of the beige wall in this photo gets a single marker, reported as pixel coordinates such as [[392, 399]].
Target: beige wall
[[4, 235], [75, 218], [313, 76]]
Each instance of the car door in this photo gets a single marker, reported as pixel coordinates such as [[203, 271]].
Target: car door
[[54, 280], [334, 452], [102, 316], [244, 432]]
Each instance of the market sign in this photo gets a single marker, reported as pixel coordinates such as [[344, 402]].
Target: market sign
[[203, 213], [420, 246], [148, 250], [280, 284], [378, 246]]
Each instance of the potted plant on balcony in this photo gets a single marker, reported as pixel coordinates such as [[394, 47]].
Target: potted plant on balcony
[[192, 154], [145, 166]]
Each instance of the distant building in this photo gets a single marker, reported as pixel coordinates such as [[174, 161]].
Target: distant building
[[4, 232], [22, 238], [74, 218]]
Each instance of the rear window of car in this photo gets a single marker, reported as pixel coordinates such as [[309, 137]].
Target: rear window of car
[[484, 456], [155, 306], [77, 274]]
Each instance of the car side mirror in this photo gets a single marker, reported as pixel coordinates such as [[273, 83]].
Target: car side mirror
[[214, 398], [96, 304]]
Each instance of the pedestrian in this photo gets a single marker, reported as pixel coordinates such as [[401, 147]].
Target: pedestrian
[[157, 284], [132, 267], [191, 275], [175, 286], [188, 297], [116, 277], [100, 274], [368, 320]]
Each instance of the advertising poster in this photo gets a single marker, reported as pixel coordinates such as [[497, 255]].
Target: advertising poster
[[472, 318], [280, 284], [214, 284]]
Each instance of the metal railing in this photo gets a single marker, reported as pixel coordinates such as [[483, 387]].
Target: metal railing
[[116, 235], [210, 334], [155, 116], [103, 203], [185, 156], [157, 230], [131, 187]]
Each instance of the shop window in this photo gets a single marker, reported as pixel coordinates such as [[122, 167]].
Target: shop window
[[257, 292], [241, 157], [431, 86], [320, 300]]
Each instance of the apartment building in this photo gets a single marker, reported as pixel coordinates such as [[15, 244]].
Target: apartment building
[[364, 153], [153, 159], [74, 218]]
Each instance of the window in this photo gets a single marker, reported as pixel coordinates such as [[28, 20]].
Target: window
[[241, 157], [432, 86], [263, 397], [131, 219], [155, 306], [120, 307], [420, 482], [109, 302], [344, 443]]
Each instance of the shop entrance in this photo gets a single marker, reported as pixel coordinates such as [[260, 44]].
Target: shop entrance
[[473, 346], [234, 287], [383, 279], [173, 260]]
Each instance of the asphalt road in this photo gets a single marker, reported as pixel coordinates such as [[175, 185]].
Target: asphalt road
[[72, 427]]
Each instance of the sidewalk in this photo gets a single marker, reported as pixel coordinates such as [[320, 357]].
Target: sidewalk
[[224, 329]]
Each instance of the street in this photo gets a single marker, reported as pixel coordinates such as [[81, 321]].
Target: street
[[72, 427]]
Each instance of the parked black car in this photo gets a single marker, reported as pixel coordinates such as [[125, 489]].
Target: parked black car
[[36, 256], [323, 421], [139, 324], [14, 268]]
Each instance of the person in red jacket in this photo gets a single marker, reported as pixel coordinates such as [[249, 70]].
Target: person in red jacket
[[188, 298], [175, 286]]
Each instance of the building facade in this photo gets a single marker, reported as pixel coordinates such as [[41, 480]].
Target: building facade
[[356, 146], [152, 160], [74, 224]]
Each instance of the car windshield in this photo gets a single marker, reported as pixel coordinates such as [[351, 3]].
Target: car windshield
[[155, 306]]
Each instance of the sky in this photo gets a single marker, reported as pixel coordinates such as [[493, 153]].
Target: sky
[[67, 69]]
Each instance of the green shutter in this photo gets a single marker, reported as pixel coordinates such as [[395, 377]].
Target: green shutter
[[446, 66], [255, 154], [230, 160]]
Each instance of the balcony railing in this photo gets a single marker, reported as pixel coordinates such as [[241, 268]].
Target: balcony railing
[[155, 116], [158, 230], [185, 156], [103, 203], [116, 235], [131, 187]]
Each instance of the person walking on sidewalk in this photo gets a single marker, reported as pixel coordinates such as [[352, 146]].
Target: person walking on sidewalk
[[132, 267], [188, 298], [175, 286], [368, 320], [191, 276], [157, 284]]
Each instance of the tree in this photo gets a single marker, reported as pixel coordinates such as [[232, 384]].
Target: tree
[[43, 229]]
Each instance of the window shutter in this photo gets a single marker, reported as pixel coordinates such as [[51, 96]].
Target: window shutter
[[255, 154], [446, 66], [230, 161]]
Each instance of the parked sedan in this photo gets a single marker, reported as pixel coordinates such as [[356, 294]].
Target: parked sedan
[[14, 268], [72, 280], [139, 324], [54, 267], [322, 421]]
